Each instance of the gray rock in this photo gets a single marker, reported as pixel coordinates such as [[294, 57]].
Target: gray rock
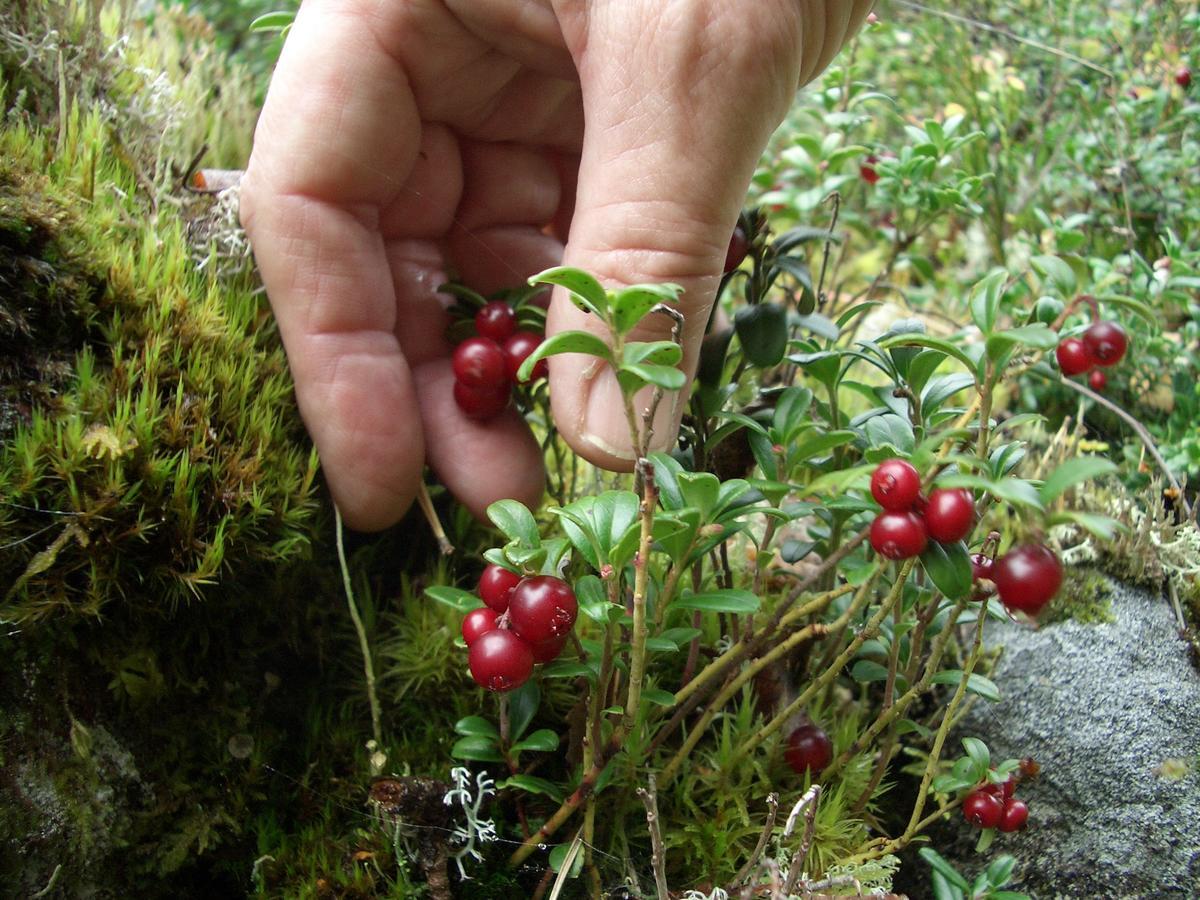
[[1102, 708]]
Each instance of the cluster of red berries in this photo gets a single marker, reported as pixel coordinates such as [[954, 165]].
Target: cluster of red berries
[[1026, 577], [909, 519], [994, 806], [524, 621], [808, 750], [485, 367], [1102, 345]]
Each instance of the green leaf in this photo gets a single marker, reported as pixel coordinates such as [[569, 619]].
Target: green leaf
[[659, 353], [866, 671], [1016, 490], [477, 748], [586, 292], [819, 445], [1056, 271], [543, 740], [985, 300], [457, 599], [522, 707], [630, 306], [565, 342], [633, 378], [593, 600], [978, 752], [476, 726], [943, 889], [949, 568], [726, 601], [943, 868], [534, 785], [1000, 870], [1072, 472], [1101, 526], [515, 522], [273, 21], [763, 332], [1037, 336], [890, 431], [821, 326], [976, 684], [933, 343], [568, 668], [567, 856], [658, 697]]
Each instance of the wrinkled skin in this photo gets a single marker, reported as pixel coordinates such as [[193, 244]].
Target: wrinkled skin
[[405, 138]]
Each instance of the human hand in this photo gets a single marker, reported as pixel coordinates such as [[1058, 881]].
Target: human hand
[[404, 137]]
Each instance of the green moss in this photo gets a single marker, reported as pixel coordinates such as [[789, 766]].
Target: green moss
[[1085, 597]]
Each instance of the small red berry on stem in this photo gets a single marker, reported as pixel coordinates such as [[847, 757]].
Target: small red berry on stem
[[982, 567], [542, 608], [899, 535], [1073, 357], [983, 809], [1027, 578], [1183, 77], [548, 651], [1016, 814], [500, 661], [496, 585], [517, 349], [478, 622], [896, 485], [496, 321], [480, 363], [808, 750], [868, 172], [1106, 342], [479, 403], [1098, 380], [950, 514]]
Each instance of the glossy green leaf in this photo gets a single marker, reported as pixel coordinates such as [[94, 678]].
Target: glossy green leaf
[[477, 748], [1072, 472], [949, 568], [933, 343], [726, 601], [943, 868], [985, 300], [763, 332], [514, 521], [659, 353], [457, 599], [522, 707], [659, 697], [1058, 272], [1101, 526], [565, 342], [533, 785], [585, 291], [543, 740], [476, 726], [633, 378], [630, 305], [273, 21], [976, 684]]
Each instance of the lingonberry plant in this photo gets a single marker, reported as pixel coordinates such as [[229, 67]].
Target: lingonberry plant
[[841, 525]]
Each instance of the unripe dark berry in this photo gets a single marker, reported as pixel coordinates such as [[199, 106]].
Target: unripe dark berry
[[808, 750], [1106, 342], [739, 245], [895, 485], [950, 514], [1073, 357], [1016, 814], [500, 661], [983, 809], [1098, 381], [1027, 577], [480, 363], [477, 622], [496, 585], [496, 321], [899, 535], [542, 608], [517, 349]]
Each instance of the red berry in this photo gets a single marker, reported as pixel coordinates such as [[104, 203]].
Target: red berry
[[868, 172], [500, 661], [496, 586], [739, 245], [808, 750], [950, 514], [517, 349], [982, 567], [1073, 357], [1106, 342], [1098, 380], [983, 810], [1027, 577], [548, 651], [477, 622], [480, 363], [1016, 814], [899, 535], [496, 321], [895, 485], [477, 403], [1183, 77], [1003, 789], [541, 608]]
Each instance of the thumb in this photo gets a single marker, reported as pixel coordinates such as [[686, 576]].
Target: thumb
[[679, 98]]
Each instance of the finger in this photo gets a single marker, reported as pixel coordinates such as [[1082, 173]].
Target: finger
[[325, 162], [679, 100], [480, 462]]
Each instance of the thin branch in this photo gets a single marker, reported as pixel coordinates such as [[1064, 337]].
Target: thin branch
[[657, 857], [363, 644], [763, 839]]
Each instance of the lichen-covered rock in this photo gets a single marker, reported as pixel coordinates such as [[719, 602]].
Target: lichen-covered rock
[[1111, 712]]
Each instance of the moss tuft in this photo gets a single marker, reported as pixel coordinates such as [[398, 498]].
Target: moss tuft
[[1085, 597]]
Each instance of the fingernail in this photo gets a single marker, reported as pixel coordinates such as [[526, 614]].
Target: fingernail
[[606, 425]]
